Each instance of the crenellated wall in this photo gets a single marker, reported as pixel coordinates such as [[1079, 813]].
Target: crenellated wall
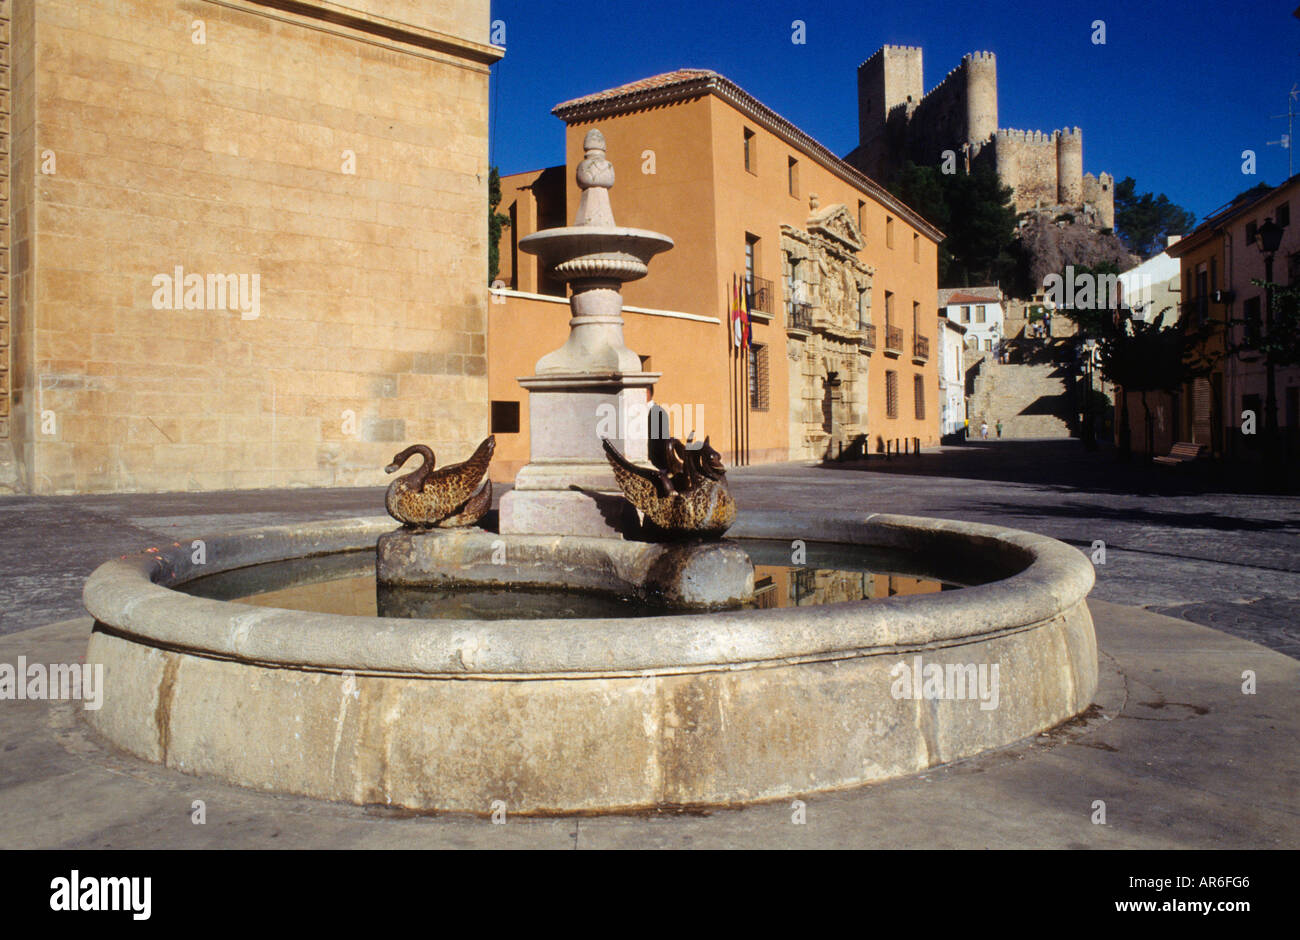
[[1099, 192], [897, 123]]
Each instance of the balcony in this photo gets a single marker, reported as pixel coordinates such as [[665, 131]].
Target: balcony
[[867, 341], [799, 318], [759, 295], [894, 340], [920, 348]]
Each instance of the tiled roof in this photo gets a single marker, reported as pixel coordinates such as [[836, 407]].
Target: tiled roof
[[689, 83], [654, 82], [969, 295]]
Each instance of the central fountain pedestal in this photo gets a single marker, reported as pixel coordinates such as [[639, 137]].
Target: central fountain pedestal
[[678, 576], [591, 387], [568, 488]]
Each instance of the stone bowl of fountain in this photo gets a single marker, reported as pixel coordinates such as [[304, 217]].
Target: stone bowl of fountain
[[565, 664]]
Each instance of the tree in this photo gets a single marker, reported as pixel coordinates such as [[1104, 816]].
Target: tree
[[497, 222], [1144, 221], [1143, 357], [974, 210], [1278, 346], [1281, 345]]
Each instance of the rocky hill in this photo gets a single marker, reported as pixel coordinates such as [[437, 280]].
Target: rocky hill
[[1048, 241]]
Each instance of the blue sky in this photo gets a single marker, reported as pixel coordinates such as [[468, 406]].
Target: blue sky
[[1172, 99]]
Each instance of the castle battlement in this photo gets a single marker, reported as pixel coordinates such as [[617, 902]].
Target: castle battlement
[[899, 121]]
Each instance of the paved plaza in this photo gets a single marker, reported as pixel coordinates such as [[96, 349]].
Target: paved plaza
[[1178, 754]]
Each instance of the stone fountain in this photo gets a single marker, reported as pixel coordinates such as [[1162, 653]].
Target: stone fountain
[[564, 713], [568, 487]]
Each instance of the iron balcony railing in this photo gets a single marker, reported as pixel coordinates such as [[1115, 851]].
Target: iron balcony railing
[[868, 338], [894, 339], [800, 317], [921, 347], [760, 295]]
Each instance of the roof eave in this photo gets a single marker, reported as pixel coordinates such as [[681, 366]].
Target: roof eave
[[579, 109]]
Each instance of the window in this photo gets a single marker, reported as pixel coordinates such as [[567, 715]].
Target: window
[[979, 313], [1282, 214], [988, 345], [864, 309], [1250, 312], [916, 318], [505, 417], [759, 399], [751, 261], [965, 314], [1202, 294], [749, 152], [891, 394], [916, 248], [918, 391], [889, 232], [792, 171], [1250, 233], [889, 308], [862, 216]]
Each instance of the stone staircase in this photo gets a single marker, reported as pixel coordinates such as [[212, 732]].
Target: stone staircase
[[1031, 400]]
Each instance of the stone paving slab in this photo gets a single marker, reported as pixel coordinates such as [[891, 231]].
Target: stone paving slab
[[1180, 756]]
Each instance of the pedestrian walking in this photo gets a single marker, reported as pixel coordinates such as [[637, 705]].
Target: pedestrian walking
[[984, 430], [999, 429]]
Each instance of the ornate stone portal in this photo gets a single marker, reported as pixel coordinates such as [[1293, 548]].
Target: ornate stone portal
[[829, 291]]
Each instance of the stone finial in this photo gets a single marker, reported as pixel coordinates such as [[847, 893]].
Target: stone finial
[[595, 176]]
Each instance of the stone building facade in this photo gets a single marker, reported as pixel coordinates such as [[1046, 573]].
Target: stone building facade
[[248, 240], [899, 121]]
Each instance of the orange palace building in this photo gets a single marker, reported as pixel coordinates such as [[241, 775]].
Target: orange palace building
[[841, 277]]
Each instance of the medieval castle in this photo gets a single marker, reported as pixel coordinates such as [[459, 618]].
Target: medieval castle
[[898, 121]]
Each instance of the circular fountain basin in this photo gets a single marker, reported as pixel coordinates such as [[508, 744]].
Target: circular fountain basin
[[595, 714]]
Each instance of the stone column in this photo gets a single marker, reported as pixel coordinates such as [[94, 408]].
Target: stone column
[[593, 386]]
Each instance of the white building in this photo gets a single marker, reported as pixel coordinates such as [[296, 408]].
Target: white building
[[981, 310], [952, 379], [1152, 286]]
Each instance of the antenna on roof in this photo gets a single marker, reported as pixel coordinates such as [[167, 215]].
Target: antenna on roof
[[1287, 138]]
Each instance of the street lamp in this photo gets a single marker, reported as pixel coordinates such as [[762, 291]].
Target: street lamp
[[1269, 236]]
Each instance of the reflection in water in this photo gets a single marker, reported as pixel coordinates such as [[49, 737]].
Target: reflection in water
[[345, 584]]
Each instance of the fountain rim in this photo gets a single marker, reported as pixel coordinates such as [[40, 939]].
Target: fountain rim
[[132, 597]]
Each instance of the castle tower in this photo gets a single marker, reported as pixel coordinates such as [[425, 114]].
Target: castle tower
[[1069, 167], [981, 95], [890, 78]]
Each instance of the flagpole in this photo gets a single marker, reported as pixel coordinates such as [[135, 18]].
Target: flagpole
[[731, 367]]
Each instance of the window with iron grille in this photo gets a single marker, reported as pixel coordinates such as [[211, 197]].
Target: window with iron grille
[[759, 397], [918, 391], [891, 394]]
